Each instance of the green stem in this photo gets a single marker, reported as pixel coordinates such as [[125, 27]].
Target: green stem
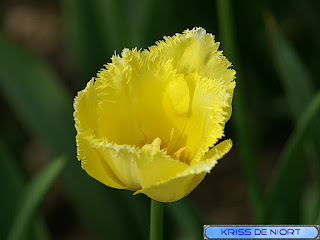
[[156, 220]]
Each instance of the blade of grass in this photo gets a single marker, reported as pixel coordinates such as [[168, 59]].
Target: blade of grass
[[299, 90], [294, 76], [309, 203], [113, 24], [34, 92], [122, 23], [296, 80], [84, 36], [44, 108], [294, 145], [32, 198], [10, 175], [240, 113], [140, 11]]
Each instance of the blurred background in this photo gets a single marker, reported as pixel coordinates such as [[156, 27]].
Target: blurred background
[[50, 49]]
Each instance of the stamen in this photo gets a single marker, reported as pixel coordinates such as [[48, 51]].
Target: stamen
[[170, 139], [146, 138], [153, 147], [178, 153]]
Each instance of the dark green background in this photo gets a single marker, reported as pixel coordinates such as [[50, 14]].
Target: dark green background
[[50, 49]]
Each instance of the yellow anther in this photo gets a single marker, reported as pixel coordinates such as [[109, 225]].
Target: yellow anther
[[153, 147], [178, 153]]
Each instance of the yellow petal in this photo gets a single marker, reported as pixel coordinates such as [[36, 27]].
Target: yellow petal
[[138, 167], [186, 181], [195, 54], [86, 120], [141, 100], [117, 120], [207, 116], [162, 99], [94, 164], [195, 51], [85, 105]]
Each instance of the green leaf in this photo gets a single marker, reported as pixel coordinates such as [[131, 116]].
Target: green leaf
[[84, 36], [299, 91], [9, 175], [37, 96], [291, 160], [113, 25], [295, 78], [309, 204], [32, 198]]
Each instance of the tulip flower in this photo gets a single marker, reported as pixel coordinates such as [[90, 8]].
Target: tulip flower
[[151, 120]]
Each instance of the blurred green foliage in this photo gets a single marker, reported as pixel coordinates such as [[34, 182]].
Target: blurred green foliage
[[274, 46], [32, 198]]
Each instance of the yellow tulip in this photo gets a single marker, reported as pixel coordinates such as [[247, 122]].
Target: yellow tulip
[[150, 121]]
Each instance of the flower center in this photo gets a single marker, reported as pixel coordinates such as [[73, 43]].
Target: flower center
[[155, 146]]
